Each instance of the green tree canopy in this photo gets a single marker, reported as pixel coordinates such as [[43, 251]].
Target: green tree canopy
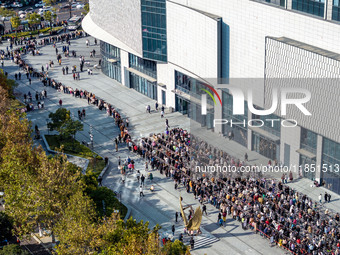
[[49, 2], [63, 123], [86, 9], [48, 16], [33, 19], [4, 12], [12, 249], [15, 22]]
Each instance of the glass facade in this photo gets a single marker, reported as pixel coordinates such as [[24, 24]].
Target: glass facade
[[148, 67], [336, 10], [110, 61], [308, 140], [307, 161], [276, 2], [154, 29], [265, 146], [273, 127], [143, 86], [314, 7], [193, 88], [193, 110], [239, 130], [331, 160]]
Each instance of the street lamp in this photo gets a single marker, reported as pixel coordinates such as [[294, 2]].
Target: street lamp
[[48, 130], [91, 135], [70, 1]]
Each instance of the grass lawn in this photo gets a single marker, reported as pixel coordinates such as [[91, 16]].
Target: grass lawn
[[73, 147]]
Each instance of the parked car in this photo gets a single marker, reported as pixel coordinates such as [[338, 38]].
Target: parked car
[[80, 6], [66, 6], [40, 4], [29, 10], [22, 15], [5, 5], [16, 5]]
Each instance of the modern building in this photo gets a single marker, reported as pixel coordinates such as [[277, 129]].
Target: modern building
[[175, 51]]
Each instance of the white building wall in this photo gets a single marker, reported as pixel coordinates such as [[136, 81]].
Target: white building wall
[[122, 19], [309, 71], [291, 136], [192, 40], [250, 22]]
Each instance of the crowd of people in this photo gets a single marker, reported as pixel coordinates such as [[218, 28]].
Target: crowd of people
[[287, 218]]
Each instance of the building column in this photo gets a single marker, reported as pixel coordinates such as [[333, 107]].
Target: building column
[[328, 9], [249, 132], [218, 112], [289, 4], [318, 157], [124, 62]]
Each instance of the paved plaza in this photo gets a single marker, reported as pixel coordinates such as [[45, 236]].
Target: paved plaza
[[157, 207]]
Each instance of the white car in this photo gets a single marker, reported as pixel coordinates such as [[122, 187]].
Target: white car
[[29, 10], [21, 12], [22, 15], [80, 6], [40, 4]]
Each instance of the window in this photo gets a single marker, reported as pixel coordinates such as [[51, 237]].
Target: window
[[331, 160], [314, 7], [148, 67], [154, 29], [336, 10], [308, 140], [110, 61], [276, 2]]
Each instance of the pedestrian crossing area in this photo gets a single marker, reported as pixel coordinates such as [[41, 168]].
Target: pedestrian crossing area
[[201, 241]]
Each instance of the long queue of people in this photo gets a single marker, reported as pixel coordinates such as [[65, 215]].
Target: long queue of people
[[92, 99], [287, 218]]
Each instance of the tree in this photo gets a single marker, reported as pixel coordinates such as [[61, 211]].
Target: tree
[[33, 19], [176, 247], [15, 22], [54, 14], [62, 122], [49, 2], [13, 249], [48, 17], [5, 227], [86, 9], [4, 12]]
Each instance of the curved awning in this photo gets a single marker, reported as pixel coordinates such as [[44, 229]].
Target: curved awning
[[96, 31]]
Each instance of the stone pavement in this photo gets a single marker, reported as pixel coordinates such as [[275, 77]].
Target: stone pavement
[[157, 207]]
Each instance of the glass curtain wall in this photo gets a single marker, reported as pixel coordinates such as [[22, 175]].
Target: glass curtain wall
[[336, 10], [194, 89], [110, 61], [143, 86], [331, 160], [314, 7], [154, 29], [239, 130], [308, 142]]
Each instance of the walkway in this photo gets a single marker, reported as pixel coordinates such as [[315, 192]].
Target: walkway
[[161, 205]]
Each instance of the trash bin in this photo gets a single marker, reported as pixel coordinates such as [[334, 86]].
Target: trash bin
[[171, 109]]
